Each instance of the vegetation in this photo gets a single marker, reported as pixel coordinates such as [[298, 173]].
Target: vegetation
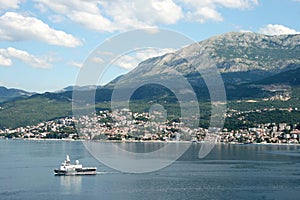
[[250, 62], [32, 111]]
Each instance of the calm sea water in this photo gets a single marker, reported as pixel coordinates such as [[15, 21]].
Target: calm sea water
[[228, 172]]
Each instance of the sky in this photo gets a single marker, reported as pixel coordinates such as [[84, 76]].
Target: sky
[[44, 43]]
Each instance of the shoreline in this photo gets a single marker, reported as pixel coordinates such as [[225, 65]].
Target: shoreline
[[149, 141]]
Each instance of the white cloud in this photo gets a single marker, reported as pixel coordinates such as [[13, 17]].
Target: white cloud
[[76, 64], [127, 61], [4, 61], [56, 18], [113, 15], [202, 14], [130, 61], [245, 31], [276, 29], [143, 13], [16, 27], [85, 13], [92, 21], [10, 4], [204, 10], [236, 3], [7, 56], [41, 7], [97, 60]]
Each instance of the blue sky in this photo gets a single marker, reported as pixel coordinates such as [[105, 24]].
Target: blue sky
[[43, 43]]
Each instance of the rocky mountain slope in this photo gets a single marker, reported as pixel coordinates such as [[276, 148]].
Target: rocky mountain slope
[[240, 57]]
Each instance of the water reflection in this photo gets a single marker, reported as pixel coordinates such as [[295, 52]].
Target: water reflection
[[136, 157], [71, 184]]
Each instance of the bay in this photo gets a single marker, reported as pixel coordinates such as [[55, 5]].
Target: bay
[[228, 172]]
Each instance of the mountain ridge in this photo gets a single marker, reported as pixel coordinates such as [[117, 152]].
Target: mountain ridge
[[248, 63], [231, 52], [7, 94]]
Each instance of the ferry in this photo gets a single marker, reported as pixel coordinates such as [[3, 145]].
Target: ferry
[[66, 168]]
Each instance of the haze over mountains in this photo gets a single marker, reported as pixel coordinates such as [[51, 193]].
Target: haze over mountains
[[9, 94], [251, 66]]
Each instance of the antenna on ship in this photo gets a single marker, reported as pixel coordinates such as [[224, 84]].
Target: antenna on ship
[[68, 159]]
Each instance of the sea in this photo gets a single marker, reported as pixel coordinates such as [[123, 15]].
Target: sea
[[229, 171]]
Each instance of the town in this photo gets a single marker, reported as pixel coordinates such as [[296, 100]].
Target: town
[[126, 126]]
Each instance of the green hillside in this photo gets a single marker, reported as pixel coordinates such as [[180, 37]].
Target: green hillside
[[259, 72], [31, 111]]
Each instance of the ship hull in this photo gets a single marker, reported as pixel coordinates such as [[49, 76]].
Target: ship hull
[[83, 171]]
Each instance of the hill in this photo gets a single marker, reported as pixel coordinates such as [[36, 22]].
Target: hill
[[9, 94], [252, 66]]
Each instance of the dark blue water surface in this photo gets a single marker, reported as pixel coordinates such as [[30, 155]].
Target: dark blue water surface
[[228, 172]]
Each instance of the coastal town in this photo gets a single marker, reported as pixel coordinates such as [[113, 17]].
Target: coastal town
[[126, 126]]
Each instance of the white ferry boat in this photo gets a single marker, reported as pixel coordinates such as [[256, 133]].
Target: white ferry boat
[[66, 168]]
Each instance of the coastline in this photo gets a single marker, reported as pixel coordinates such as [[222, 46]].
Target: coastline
[[149, 141]]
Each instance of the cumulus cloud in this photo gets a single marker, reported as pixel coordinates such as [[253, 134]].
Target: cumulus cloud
[[109, 16], [204, 10], [8, 55], [85, 13], [130, 61], [92, 21], [276, 29], [143, 13], [16, 27], [10, 4]]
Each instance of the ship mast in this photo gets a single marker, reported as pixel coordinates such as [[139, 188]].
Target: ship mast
[[68, 159]]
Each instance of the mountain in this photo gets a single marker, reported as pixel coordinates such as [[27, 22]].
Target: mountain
[[251, 66], [240, 52], [240, 57], [290, 77], [9, 94], [80, 88]]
